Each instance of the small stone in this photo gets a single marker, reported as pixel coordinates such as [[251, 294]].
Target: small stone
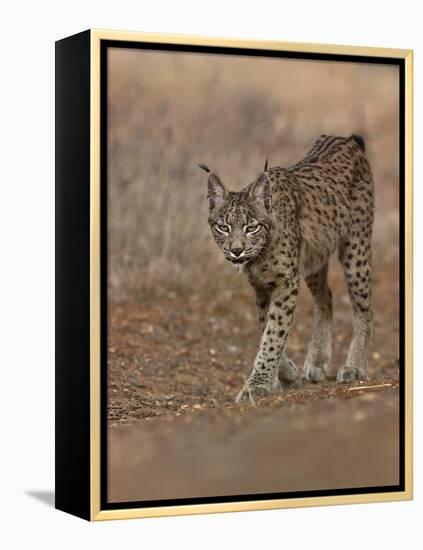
[[136, 382], [202, 389], [146, 328]]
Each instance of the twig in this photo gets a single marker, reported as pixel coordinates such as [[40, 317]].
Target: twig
[[368, 387]]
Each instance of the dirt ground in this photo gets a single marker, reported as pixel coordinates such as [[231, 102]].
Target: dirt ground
[[336, 442], [175, 431]]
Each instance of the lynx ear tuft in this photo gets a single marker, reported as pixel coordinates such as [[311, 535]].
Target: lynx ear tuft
[[266, 165], [216, 190], [205, 168]]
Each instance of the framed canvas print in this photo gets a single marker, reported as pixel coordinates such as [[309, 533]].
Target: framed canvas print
[[233, 275]]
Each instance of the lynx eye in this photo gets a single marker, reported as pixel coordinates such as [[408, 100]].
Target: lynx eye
[[222, 228], [250, 229]]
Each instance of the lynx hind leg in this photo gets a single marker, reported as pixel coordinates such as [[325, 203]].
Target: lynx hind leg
[[355, 256], [317, 363], [289, 374]]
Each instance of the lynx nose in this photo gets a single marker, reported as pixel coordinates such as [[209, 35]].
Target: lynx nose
[[237, 251]]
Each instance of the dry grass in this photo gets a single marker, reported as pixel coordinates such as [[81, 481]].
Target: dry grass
[[167, 112]]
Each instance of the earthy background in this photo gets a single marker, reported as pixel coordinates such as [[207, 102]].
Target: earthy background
[[182, 326]]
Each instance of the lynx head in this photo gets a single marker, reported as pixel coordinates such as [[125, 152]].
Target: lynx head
[[239, 221]]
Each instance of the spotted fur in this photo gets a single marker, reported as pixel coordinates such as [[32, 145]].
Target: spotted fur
[[284, 226]]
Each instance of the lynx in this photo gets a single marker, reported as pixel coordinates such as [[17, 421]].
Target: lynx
[[284, 226]]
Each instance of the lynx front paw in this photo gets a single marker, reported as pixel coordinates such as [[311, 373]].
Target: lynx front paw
[[314, 373], [346, 375], [251, 391]]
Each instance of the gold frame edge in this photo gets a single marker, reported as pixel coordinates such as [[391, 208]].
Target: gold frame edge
[[95, 312], [408, 275]]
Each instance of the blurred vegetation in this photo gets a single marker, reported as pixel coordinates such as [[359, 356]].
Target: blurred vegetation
[[169, 111]]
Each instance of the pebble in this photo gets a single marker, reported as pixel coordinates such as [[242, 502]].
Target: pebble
[[136, 382], [202, 389]]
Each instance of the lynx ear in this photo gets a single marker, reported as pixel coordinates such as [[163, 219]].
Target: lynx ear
[[260, 191], [216, 190]]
